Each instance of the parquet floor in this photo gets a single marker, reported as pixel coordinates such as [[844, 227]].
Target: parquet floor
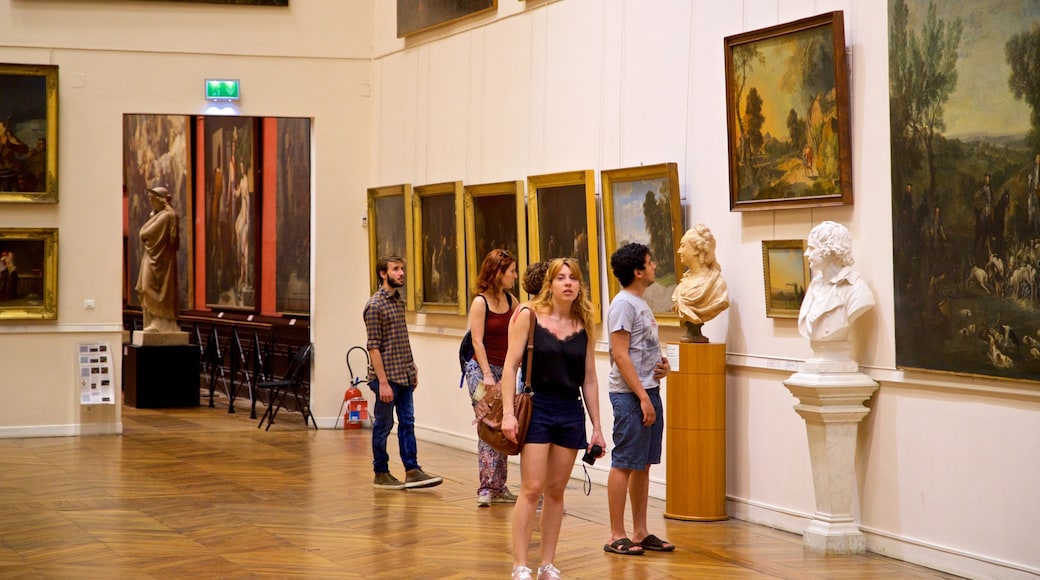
[[199, 493]]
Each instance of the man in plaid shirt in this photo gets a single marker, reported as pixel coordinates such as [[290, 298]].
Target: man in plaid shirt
[[392, 377]]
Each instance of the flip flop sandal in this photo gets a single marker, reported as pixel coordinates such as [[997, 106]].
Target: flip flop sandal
[[656, 544], [624, 546]]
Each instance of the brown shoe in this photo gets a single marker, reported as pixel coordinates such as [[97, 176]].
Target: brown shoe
[[386, 480], [418, 478]]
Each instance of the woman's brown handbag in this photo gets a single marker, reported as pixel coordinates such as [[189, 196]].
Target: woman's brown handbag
[[489, 426]]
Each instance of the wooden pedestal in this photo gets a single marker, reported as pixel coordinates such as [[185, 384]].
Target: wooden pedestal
[[695, 428], [155, 377]]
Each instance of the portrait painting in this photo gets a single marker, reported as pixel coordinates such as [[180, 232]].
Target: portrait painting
[[562, 223], [641, 205], [387, 231], [28, 133], [966, 186], [787, 111], [415, 16], [293, 222], [28, 273], [786, 274], [230, 212], [157, 152], [438, 273], [495, 219]]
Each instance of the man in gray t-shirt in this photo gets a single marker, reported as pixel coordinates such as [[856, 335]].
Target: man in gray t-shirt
[[635, 373]]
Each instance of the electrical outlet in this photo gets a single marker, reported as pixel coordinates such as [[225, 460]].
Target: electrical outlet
[[88, 304]]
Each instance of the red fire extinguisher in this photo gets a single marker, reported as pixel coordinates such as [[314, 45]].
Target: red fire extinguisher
[[357, 408]]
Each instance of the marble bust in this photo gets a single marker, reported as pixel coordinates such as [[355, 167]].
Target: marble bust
[[836, 296], [701, 293]]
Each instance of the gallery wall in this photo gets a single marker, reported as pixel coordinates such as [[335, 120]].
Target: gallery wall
[[311, 60], [946, 465]]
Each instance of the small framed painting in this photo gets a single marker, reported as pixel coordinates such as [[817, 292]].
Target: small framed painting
[[28, 133], [786, 272], [28, 273], [438, 273], [495, 218], [387, 231]]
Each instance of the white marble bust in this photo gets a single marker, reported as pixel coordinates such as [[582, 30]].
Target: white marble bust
[[836, 296]]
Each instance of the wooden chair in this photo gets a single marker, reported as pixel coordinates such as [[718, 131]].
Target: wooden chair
[[289, 385]]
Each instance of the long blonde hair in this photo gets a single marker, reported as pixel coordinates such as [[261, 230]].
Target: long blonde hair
[[581, 308]]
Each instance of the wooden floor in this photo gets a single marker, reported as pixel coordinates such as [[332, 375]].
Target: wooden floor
[[199, 493]]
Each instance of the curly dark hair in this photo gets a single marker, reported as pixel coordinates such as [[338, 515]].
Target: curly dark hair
[[626, 260], [534, 277]]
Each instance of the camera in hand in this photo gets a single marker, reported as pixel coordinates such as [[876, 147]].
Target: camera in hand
[[592, 454]]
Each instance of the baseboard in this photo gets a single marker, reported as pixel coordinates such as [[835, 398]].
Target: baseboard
[[70, 430], [889, 545]]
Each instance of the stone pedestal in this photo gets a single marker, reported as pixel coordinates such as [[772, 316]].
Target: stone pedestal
[[831, 392]]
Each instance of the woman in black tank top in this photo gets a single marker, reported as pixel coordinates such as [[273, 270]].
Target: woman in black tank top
[[563, 373]]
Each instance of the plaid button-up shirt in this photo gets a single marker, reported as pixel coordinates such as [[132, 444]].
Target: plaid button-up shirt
[[388, 333]]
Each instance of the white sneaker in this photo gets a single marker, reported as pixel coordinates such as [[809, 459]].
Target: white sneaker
[[484, 500], [521, 573], [548, 572]]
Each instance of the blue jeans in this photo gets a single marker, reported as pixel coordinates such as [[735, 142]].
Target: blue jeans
[[383, 422]]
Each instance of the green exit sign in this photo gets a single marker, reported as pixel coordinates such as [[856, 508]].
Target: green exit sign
[[222, 90]]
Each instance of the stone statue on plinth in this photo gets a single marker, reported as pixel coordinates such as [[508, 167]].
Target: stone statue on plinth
[[157, 281], [701, 294], [829, 387]]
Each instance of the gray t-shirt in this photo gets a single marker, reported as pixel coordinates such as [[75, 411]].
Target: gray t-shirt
[[632, 314]]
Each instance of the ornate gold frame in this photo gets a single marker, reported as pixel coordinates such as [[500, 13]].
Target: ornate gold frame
[[616, 193], [376, 221], [45, 305], [583, 205], [473, 196], [772, 268], [50, 191], [417, 267]]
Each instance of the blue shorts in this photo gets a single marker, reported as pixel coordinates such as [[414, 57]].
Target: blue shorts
[[556, 420], [635, 445]]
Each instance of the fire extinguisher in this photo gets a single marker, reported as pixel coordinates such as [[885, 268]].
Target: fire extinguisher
[[357, 408]]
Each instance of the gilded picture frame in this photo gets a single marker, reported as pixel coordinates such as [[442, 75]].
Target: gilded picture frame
[[641, 204], [28, 274], [28, 133], [801, 156], [415, 16], [438, 272], [495, 217], [561, 222], [389, 226], [292, 288], [785, 271]]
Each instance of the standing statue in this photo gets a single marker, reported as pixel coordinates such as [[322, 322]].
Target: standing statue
[[157, 283], [837, 295], [701, 293]]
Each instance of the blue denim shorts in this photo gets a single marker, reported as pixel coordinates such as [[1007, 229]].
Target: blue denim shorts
[[556, 420], [635, 445]]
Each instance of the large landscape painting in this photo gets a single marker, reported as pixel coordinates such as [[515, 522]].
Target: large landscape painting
[[965, 119]]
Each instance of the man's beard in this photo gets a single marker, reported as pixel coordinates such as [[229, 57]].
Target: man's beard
[[394, 283]]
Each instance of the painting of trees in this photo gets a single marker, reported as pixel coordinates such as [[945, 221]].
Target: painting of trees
[[801, 157], [964, 91]]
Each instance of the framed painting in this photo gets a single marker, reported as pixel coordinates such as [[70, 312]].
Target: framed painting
[[641, 204], [389, 227], [438, 273], [293, 222], [495, 218], [230, 212], [561, 221], [787, 112], [28, 133], [414, 16], [965, 186], [785, 270], [28, 273], [157, 152]]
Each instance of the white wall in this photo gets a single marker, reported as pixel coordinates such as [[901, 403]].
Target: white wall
[[946, 467], [312, 59]]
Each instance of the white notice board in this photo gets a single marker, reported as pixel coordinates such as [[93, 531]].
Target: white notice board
[[96, 379]]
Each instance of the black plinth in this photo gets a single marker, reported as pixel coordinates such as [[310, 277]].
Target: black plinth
[[155, 377]]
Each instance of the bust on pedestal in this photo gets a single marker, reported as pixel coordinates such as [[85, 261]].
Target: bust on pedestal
[[830, 388], [701, 294]]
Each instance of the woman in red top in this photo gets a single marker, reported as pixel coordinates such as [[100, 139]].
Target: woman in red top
[[489, 326]]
